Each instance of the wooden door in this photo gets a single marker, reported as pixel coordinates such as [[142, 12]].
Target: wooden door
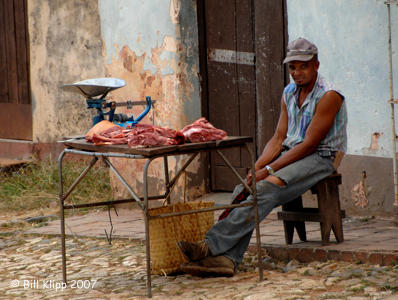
[[15, 102], [239, 80]]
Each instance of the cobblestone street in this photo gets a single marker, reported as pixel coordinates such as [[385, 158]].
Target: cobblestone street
[[31, 268]]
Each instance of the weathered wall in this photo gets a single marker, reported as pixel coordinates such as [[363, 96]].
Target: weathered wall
[[153, 46], [65, 46], [352, 39]]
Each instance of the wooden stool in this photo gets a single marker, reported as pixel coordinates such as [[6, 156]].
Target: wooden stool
[[328, 213]]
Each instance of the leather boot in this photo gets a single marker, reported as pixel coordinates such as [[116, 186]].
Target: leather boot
[[194, 251], [210, 266]]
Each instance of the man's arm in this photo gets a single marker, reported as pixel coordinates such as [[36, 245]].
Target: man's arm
[[324, 115]]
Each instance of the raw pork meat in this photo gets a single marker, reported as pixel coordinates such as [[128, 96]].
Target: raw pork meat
[[202, 131], [150, 135], [103, 139], [105, 133], [103, 127]]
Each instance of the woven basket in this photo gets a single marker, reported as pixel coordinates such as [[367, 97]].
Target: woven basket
[[164, 233]]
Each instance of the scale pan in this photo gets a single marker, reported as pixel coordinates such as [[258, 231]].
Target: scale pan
[[94, 87]]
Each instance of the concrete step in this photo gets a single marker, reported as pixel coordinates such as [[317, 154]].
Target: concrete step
[[16, 149], [26, 150]]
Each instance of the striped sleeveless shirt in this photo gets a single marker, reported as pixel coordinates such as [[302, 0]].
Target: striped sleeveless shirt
[[300, 117]]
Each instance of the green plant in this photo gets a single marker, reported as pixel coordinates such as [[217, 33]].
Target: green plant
[[36, 185]]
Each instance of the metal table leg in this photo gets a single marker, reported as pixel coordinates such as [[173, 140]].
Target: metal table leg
[[256, 219], [61, 206], [124, 182], [147, 245], [166, 177], [62, 198], [173, 181]]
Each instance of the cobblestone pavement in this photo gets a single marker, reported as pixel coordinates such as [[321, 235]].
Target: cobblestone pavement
[[31, 268], [369, 240]]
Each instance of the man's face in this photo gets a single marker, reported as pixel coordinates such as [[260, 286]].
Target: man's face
[[303, 72]]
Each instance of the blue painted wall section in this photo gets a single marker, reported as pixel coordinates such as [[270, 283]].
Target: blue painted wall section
[[352, 39]]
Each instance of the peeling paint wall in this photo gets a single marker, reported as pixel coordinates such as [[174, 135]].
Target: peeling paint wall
[[153, 46], [367, 187], [65, 46]]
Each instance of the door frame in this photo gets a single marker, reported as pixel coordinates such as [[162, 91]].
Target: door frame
[[268, 93]]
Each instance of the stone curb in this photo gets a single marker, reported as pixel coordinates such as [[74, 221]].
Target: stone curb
[[307, 255]]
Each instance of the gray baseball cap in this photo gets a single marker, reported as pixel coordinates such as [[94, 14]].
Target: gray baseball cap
[[301, 50]]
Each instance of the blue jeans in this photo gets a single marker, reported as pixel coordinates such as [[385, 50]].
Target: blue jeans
[[231, 236]]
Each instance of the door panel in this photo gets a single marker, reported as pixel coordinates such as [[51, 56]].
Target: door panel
[[224, 107], [15, 102], [242, 46], [231, 81], [18, 115], [271, 77]]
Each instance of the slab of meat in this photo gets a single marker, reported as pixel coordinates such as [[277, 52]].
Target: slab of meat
[[105, 133], [102, 139], [202, 131], [103, 127], [150, 135]]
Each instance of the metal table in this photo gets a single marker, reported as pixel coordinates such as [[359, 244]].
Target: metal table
[[81, 147]]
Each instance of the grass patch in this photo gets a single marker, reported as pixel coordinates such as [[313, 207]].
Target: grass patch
[[36, 185]]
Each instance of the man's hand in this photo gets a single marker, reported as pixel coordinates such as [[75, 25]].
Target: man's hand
[[260, 175]]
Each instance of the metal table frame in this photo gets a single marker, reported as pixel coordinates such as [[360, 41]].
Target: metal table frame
[[192, 150]]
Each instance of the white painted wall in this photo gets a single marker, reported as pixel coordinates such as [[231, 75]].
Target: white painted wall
[[352, 39]]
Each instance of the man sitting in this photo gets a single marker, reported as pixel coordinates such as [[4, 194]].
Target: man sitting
[[310, 131]]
